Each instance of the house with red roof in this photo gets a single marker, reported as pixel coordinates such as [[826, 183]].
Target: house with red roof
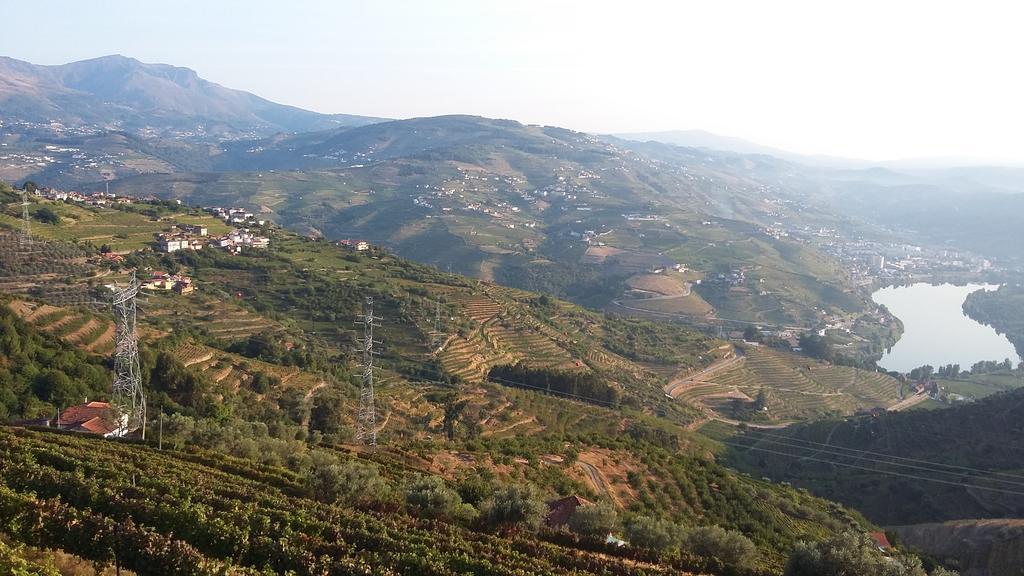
[[881, 540], [92, 418], [559, 511]]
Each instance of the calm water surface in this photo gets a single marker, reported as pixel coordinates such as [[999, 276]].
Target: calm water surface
[[936, 330]]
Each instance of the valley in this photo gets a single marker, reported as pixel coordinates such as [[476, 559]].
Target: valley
[[460, 344]]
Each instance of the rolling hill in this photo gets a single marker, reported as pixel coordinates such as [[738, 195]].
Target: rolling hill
[[538, 208], [122, 93], [258, 364], [904, 468]]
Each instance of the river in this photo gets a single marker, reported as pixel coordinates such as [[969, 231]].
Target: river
[[935, 329]]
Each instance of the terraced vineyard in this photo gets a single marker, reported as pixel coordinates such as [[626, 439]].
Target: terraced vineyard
[[796, 387], [75, 326], [237, 324], [202, 514], [234, 370], [502, 335]]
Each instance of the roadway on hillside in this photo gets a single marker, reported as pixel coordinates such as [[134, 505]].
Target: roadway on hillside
[[672, 387], [908, 402]]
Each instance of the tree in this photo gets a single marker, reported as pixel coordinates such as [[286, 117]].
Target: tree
[[849, 554], [594, 521], [349, 482], [46, 215], [514, 506], [816, 346], [651, 533], [431, 497], [326, 414], [752, 334], [730, 547], [761, 401], [453, 409]]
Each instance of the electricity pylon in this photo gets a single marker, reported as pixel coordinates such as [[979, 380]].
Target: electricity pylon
[[25, 239], [436, 336], [127, 399], [366, 418]]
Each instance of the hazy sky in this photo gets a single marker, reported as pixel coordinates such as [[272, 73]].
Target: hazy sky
[[874, 80]]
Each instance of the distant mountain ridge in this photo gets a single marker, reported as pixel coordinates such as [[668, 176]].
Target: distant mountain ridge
[[711, 141], [117, 92]]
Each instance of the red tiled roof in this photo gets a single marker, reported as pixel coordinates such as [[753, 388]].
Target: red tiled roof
[[75, 415], [881, 539], [559, 511], [98, 426]]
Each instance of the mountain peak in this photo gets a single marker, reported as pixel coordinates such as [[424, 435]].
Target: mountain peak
[[118, 90]]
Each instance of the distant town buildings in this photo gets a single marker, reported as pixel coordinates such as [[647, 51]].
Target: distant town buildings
[[174, 282]]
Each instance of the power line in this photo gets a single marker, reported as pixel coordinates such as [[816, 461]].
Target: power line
[[934, 467], [776, 438], [931, 467], [886, 472]]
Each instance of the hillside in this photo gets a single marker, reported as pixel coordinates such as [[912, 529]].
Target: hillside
[[538, 208], [978, 547], [124, 94], [903, 468], [1003, 309], [790, 387], [257, 363]]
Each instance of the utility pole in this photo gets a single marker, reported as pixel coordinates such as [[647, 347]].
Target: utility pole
[[366, 418], [127, 399]]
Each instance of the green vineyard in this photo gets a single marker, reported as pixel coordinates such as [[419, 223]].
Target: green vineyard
[[796, 387], [191, 513]]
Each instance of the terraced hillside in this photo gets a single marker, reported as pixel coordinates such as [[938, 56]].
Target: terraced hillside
[[82, 329], [795, 387]]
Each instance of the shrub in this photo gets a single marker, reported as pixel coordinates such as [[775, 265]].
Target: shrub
[[431, 497], [652, 534], [514, 506], [732, 548], [594, 521], [349, 482], [849, 553]]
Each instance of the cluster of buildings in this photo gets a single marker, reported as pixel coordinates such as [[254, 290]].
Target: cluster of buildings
[[195, 237], [95, 199], [176, 283], [868, 262], [357, 245], [237, 216]]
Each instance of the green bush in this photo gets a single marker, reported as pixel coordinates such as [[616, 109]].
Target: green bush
[[431, 497], [732, 548], [514, 506], [594, 521], [350, 482], [650, 533], [850, 554]]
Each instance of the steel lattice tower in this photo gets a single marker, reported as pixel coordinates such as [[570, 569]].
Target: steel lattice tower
[[366, 419], [436, 335], [25, 239], [127, 399]]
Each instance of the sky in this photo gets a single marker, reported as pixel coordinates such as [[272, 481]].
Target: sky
[[860, 79]]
